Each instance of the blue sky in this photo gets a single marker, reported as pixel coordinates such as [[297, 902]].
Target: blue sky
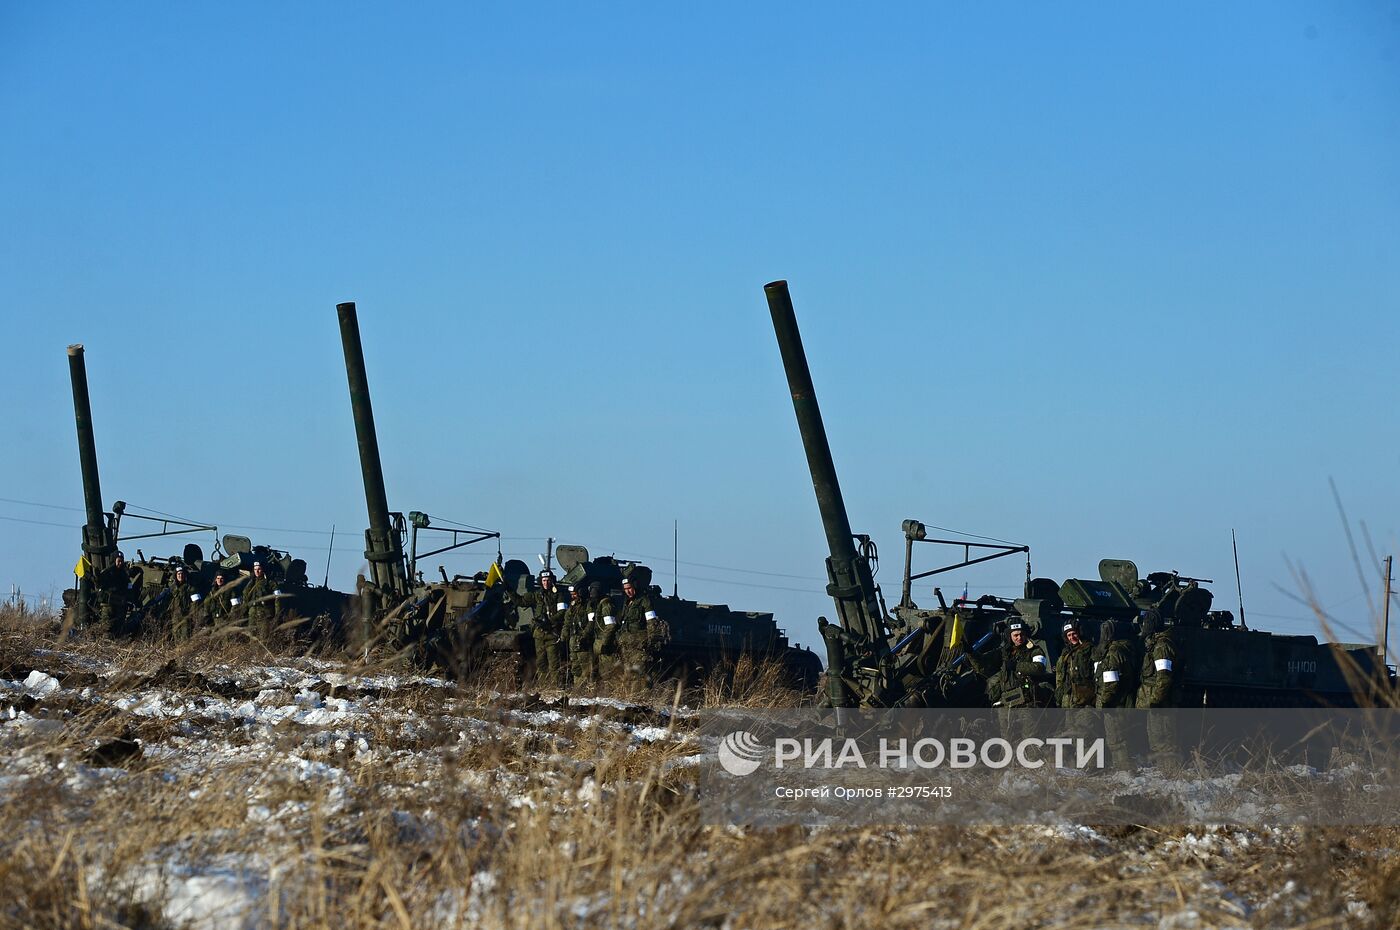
[[1110, 280]]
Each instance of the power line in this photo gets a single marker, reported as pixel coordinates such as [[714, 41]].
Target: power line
[[66, 526], [11, 500]]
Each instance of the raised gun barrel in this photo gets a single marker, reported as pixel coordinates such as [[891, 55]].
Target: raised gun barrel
[[850, 582], [382, 548], [98, 545]]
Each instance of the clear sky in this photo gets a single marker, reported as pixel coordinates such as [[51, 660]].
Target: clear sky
[[1108, 279]]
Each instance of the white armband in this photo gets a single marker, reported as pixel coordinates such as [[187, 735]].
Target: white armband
[[1110, 677], [650, 615], [1096, 667], [194, 598], [1163, 665], [277, 593], [591, 615], [561, 606], [235, 601], [1042, 660], [608, 621]]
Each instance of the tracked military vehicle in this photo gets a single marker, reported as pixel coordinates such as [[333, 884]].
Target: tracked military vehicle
[[702, 637], [459, 622], [450, 622], [913, 657], [149, 578]]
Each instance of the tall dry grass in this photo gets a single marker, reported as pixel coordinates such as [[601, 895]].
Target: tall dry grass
[[570, 824]]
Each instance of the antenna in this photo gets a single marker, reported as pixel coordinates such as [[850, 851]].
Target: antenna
[[549, 553], [1238, 590], [1385, 622], [675, 558], [327, 582]]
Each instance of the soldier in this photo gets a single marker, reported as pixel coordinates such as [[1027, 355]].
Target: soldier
[[114, 595], [550, 606], [643, 633], [1155, 688], [1116, 688], [1117, 681], [1158, 663], [578, 622], [261, 605], [1074, 670], [605, 645], [216, 604], [1018, 673], [182, 607]]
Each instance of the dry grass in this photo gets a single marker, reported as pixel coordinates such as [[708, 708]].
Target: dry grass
[[473, 808]]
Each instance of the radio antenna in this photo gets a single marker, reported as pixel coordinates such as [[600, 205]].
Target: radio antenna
[[675, 558], [1238, 590], [329, 552]]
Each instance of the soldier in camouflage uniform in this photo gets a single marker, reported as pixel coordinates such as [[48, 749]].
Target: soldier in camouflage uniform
[[578, 626], [1117, 672], [114, 596], [1017, 672], [1116, 689], [642, 636], [551, 647], [1074, 670], [216, 602], [1155, 688], [262, 617], [605, 639], [182, 607]]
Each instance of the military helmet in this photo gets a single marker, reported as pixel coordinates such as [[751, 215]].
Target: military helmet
[[595, 589], [1017, 625], [1071, 626], [1150, 622], [1107, 632]]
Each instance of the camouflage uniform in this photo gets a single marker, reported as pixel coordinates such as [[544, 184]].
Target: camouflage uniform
[[551, 647], [1158, 671], [1117, 675], [1017, 676], [1116, 688], [642, 637], [182, 609], [217, 609], [605, 639], [114, 597], [1155, 689], [578, 626], [1074, 676], [262, 618]]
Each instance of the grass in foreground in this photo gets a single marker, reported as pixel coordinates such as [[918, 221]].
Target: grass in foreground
[[214, 786]]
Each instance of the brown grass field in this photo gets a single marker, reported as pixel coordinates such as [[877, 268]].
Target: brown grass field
[[213, 785]]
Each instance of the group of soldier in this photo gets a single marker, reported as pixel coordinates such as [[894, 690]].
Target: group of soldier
[[1123, 669], [1119, 671], [126, 606], [585, 635]]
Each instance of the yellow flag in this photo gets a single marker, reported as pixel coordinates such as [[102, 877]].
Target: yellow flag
[[83, 567], [955, 632], [493, 574]]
